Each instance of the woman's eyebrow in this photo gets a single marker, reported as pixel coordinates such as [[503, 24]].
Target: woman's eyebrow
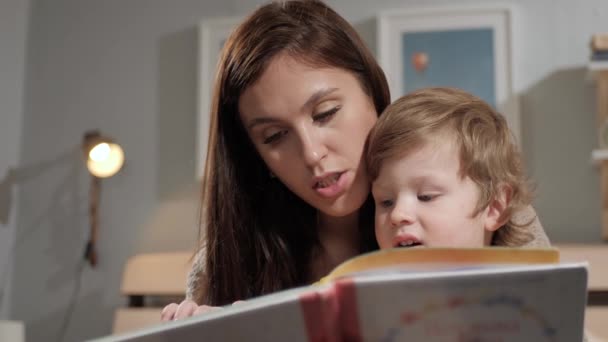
[[261, 120], [316, 96]]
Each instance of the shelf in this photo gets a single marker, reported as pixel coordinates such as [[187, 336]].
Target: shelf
[[599, 155], [597, 66], [594, 67]]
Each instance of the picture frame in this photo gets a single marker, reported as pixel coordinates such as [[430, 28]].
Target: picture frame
[[212, 35], [468, 47]]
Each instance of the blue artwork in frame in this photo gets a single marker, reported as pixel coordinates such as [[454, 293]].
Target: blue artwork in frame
[[461, 58]]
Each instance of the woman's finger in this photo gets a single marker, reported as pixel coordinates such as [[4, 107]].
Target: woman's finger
[[205, 309], [168, 312], [185, 309]]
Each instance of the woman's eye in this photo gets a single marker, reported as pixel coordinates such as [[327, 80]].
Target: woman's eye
[[325, 116], [274, 137]]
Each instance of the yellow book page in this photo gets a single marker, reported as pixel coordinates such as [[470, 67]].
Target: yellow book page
[[448, 256]]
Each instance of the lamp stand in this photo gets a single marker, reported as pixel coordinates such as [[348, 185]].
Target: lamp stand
[[90, 253]]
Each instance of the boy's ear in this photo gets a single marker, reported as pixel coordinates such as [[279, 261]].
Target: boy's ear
[[496, 210]]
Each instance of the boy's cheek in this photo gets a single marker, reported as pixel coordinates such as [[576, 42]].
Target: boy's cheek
[[382, 233]]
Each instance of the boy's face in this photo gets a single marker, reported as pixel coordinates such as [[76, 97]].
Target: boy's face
[[421, 200]]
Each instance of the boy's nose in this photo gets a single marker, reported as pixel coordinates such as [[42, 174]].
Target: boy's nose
[[402, 215]]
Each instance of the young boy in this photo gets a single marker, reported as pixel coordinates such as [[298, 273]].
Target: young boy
[[446, 172]]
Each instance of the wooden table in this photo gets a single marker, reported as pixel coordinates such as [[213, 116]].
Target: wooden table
[[596, 315]]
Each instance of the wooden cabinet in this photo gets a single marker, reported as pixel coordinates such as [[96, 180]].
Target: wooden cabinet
[[599, 73]]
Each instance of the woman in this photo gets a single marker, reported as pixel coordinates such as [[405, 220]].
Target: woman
[[285, 196]]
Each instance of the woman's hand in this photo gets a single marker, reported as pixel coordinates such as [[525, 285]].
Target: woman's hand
[[184, 309]]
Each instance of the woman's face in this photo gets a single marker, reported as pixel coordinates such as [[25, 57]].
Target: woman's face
[[309, 125]]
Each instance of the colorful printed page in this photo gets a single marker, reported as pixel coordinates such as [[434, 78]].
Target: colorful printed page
[[519, 303]]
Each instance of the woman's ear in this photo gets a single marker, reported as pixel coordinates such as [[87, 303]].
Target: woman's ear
[[496, 215]]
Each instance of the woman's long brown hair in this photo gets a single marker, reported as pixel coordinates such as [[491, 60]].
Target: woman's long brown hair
[[257, 236]]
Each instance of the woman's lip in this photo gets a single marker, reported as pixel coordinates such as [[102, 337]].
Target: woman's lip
[[335, 189], [323, 177]]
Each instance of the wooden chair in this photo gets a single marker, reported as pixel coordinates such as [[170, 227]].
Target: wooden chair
[[596, 315], [149, 282]]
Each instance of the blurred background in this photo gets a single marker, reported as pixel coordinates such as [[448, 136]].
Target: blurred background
[[130, 69]]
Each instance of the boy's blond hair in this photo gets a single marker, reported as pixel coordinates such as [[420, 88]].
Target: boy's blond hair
[[488, 152]]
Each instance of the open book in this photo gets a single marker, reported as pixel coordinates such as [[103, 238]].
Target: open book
[[417, 294]]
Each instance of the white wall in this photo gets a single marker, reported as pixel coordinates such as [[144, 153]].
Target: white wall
[[13, 33], [129, 69]]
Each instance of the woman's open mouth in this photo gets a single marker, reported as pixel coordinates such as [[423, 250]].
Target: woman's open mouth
[[327, 181], [331, 185]]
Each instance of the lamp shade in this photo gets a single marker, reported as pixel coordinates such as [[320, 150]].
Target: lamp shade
[[104, 157]]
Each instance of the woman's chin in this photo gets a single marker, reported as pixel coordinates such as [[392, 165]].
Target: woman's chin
[[343, 206], [347, 202]]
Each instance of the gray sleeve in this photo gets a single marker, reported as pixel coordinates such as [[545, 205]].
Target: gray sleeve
[[539, 237], [194, 282]]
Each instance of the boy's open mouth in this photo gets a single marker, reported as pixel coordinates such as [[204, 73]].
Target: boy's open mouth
[[408, 244]]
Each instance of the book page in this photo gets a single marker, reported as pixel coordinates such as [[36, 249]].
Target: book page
[[424, 259]]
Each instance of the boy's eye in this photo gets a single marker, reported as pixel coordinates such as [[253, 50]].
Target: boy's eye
[[274, 137], [325, 116], [426, 198], [386, 203]]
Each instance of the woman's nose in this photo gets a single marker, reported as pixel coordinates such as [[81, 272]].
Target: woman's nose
[[313, 147]]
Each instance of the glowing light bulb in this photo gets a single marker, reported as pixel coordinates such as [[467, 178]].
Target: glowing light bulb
[[105, 159], [100, 152]]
